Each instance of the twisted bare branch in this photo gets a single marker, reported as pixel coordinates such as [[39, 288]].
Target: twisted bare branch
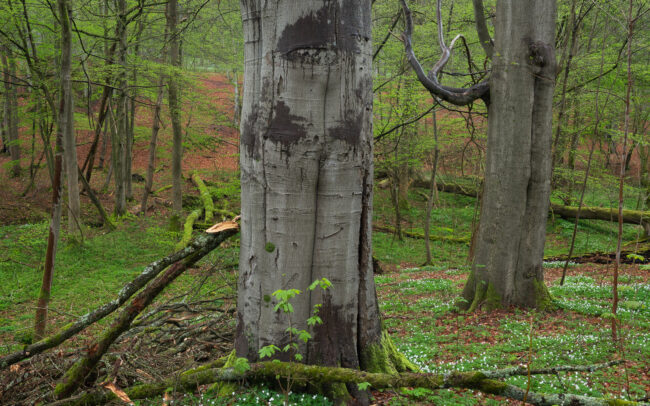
[[457, 96]]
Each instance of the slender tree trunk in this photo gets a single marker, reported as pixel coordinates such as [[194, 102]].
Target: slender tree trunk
[[11, 108], [121, 120], [558, 149], [432, 190], [105, 138], [626, 128], [577, 129], [128, 163], [175, 113], [57, 190], [4, 136], [105, 95], [151, 166], [306, 176], [507, 267], [69, 141]]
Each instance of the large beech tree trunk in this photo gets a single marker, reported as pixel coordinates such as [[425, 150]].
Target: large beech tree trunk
[[306, 176], [507, 269]]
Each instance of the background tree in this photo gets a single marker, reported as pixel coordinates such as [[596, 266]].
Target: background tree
[[10, 108], [507, 267], [175, 112]]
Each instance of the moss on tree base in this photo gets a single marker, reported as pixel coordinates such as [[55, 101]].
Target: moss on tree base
[[385, 358], [485, 296]]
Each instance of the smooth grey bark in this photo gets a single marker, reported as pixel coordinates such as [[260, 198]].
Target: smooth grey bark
[[175, 111], [69, 141], [507, 268], [306, 178]]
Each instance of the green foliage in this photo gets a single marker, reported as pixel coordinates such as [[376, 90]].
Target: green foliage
[[283, 305]]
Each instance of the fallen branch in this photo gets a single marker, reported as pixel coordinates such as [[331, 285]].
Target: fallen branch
[[272, 371], [413, 234], [80, 370], [208, 204], [634, 252], [149, 272], [523, 370], [637, 217], [93, 198]]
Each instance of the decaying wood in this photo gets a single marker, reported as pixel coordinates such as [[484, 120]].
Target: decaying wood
[[637, 217], [486, 382], [206, 198], [632, 252], [188, 227], [149, 272], [80, 370]]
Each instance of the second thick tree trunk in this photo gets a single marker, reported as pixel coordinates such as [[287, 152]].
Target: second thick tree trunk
[[507, 269]]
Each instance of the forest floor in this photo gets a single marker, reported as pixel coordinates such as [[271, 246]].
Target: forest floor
[[194, 322]]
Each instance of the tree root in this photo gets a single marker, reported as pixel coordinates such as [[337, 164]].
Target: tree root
[[271, 371]]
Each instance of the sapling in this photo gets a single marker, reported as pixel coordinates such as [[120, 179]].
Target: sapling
[[295, 336]]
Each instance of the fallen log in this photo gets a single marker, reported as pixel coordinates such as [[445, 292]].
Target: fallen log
[[635, 252], [486, 382], [637, 217], [76, 374], [414, 234], [69, 330], [188, 227], [206, 198]]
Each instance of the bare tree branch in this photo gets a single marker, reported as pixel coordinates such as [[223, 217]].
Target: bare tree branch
[[457, 96]]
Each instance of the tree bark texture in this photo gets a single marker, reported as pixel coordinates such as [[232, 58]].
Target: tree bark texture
[[67, 119], [507, 269], [306, 176]]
